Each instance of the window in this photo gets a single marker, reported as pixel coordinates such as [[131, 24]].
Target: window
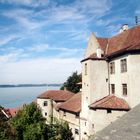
[[112, 67], [77, 115], [85, 68], [124, 89], [85, 123], [123, 65], [45, 113], [113, 88], [92, 125], [64, 113], [45, 103], [108, 111], [77, 131]]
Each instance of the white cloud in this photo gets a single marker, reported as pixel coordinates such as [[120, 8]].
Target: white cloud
[[32, 3], [13, 55], [74, 18], [39, 70], [6, 40], [23, 18], [39, 48], [113, 29]]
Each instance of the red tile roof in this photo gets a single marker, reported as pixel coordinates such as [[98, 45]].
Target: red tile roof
[[94, 57], [13, 111], [128, 40], [110, 102], [103, 43], [56, 95], [73, 104], [10, 112]]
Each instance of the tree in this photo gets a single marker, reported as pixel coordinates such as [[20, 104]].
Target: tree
[[29, 123], [59, 130], [6, 132], [71, 83]]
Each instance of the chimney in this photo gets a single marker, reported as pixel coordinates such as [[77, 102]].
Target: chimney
[[124, 28]]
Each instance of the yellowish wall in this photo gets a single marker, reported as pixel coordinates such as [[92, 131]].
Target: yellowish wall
[[92, 45], [101, 119], [73, 121]]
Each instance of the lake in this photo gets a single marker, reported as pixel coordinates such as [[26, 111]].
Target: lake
[[17, 96]]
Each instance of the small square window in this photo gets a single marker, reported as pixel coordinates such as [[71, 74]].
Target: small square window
[[45, 113], [124, 89], [77, 115], [77, 131], [45, 103], [108, 111], [64, 113]]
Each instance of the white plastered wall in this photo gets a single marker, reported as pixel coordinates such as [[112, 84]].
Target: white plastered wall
[[134, 71], [94, 87], [73, 122], [99, 119], [92, 45], [45, 109]]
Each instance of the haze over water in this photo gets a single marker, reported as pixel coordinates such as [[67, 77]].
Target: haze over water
[[17, 96]]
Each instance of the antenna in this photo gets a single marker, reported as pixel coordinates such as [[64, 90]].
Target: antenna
[[136, 20]]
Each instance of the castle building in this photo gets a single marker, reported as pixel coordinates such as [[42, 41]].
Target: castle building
[[110, 83]]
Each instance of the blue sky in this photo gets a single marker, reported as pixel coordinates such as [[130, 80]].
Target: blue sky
[[43, 41]]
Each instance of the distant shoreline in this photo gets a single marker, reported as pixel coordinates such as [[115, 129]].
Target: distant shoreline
[[28, 85]]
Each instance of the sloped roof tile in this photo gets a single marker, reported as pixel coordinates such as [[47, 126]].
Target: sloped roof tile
[[56, 95], [110, 102], [73, 104], [128, 40]]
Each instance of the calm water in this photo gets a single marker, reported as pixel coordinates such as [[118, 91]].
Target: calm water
[[15, 97]]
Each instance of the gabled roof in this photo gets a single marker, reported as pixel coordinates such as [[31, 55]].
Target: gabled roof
[[72, 105], [56, 95], [110, 102], [125, 42]]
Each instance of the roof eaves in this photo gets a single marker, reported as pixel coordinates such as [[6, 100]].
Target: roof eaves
[[122, 52], [70, 111], [89, 58], [106, 108]]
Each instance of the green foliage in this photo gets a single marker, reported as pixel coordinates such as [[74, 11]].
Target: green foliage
[[71, 83], [28, 124], [5, 131], [59, 130]]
